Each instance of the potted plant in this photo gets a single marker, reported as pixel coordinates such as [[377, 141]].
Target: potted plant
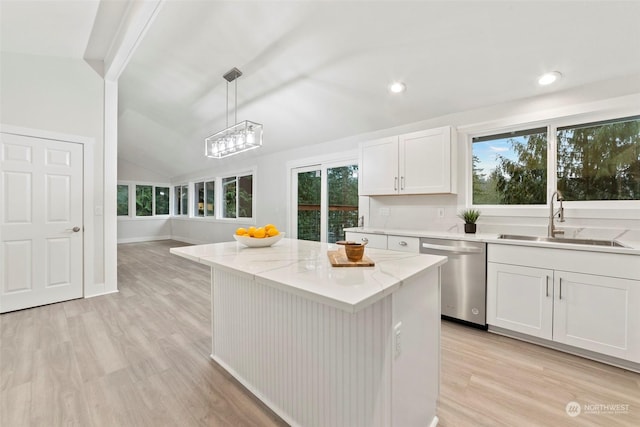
[[469, 216]]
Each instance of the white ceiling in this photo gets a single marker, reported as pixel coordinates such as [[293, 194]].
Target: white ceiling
[[316, 71], [53, 28]]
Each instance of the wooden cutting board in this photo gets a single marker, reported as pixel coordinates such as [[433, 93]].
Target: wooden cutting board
[[339, 259]]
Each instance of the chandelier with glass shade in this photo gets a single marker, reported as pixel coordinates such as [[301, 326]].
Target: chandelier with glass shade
[[236, 139]]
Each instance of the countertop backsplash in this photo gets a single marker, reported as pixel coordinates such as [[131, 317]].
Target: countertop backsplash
[[439, 213]]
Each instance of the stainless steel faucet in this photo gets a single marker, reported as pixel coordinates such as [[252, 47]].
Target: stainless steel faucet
[[551, 230]]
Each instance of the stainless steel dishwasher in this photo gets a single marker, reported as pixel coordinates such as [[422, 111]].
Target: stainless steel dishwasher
[[464, 279]]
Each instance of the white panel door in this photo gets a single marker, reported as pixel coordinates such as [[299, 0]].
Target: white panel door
[[41, 244], [598, 313], [520, 299], [379, 167], [425, 162]]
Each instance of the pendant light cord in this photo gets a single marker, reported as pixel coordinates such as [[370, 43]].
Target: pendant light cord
[[227, 116]]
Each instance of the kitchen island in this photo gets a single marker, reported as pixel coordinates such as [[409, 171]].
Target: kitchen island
[[323, 345]]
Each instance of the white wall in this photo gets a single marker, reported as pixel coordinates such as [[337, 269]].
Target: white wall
[[143, 229], [61, 95], [128, 171], [410, 212]]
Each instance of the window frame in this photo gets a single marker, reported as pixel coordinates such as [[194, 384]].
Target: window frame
[[132, 200], [341, 158], [595, 209], [174, 200], [218, 197], [128, 186], [204, 183]]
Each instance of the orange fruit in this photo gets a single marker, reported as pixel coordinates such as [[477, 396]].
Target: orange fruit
[[251, 231], [260, 233], [241, 231], [272, 232], [268, 226]]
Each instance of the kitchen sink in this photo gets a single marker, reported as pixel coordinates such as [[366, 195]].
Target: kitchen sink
[[592, 242]]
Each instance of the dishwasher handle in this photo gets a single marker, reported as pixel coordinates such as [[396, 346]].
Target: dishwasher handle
[[452, 249]]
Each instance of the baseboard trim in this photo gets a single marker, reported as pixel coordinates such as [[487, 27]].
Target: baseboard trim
[[144, 239], [189, 240], [587, 354]]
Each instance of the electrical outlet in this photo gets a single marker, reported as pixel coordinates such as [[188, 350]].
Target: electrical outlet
[[397, 339]]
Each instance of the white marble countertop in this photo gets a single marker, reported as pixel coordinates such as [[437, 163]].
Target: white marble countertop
[[303, 268], [632, 247]]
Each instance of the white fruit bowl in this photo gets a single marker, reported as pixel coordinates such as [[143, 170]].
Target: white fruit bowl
[[254, 242]]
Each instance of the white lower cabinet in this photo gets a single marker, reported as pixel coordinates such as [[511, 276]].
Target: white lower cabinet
[[382, 241], [595, 312], [520, 299], [376, 241], [403, 244]]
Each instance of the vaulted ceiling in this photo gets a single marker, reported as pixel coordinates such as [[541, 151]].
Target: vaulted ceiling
[[316, 71]]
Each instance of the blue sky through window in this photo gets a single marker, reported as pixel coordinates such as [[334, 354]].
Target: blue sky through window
[[488, 152]]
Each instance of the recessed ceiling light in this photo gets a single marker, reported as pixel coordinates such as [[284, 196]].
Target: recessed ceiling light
[[548, 78], [397, 87]]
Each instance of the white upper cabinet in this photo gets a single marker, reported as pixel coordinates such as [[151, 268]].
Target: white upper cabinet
[[415, 163], [379, 167]]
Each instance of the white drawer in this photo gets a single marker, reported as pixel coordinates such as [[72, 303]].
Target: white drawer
[[404, 244], [377, 241]]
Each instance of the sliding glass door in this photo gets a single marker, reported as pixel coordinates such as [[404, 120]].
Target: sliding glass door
[[325, 200]]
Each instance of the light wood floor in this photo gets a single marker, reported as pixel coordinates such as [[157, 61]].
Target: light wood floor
[[140, 357]]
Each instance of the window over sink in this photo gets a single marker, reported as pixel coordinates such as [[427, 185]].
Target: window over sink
[[600, 161], [592, 161], [510, 168]]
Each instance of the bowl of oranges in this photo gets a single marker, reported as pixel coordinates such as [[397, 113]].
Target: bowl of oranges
[[258, 237]]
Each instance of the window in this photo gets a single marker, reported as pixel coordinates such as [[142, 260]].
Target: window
[[198, 199], [210, 198], [144, 200], [123, 200], [342, 191], [325, 207], [203, 202], [600, 161], [237, 196], [510, 168], [181, 200], [162, 201], [309, 193]]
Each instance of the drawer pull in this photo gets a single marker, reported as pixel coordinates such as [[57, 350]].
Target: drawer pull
[[402, 243], [364, 239]]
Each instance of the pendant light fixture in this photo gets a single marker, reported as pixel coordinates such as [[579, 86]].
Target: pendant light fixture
[[240, 137]]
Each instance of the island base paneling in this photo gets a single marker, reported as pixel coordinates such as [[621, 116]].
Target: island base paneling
[[317, 365]]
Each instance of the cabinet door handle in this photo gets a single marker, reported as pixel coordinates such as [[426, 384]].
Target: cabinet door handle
[[402, 243], [547, 286], [395, 183], [402, 182], [560, 294]]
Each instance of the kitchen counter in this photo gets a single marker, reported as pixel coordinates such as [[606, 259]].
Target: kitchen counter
[[303, 268], [321, 345], [632, 246]]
